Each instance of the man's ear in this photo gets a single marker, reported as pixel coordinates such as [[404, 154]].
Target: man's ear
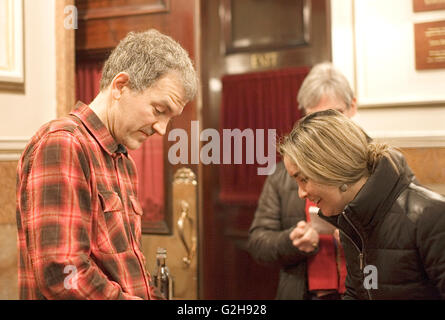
[[118, 83], [353, 108]]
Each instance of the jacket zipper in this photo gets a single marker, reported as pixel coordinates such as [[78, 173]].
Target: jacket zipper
[[361, 255]]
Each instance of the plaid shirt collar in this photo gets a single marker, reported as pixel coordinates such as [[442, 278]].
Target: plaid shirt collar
[[97, 129]]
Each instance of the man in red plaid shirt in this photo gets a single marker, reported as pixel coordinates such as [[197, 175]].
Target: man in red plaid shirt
[[78, 215]]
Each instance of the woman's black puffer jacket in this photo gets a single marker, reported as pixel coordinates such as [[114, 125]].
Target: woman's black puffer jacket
[[397, 229]]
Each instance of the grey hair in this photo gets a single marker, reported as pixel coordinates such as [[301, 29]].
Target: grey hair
[[147, 57], [331, 149], [324, 79]]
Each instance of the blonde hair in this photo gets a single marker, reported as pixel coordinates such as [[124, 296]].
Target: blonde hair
[[331, 149], [324, 79], [146, 57]]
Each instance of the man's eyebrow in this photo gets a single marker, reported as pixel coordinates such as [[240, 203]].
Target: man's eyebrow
[[166, 104]]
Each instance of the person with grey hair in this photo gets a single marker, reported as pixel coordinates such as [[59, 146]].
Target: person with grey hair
[[392, 230], [325, 87], [78, 213], [310, 254]]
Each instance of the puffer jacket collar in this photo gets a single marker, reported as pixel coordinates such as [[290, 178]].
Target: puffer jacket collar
[[375, 198], [378, 194]]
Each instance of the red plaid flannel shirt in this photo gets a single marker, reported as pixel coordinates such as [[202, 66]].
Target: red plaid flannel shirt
[[78, 216]]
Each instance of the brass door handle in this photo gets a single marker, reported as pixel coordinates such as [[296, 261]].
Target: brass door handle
[[190, 250]]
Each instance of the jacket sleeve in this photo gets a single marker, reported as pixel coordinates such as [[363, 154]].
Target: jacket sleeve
[[268, 243], [350, 293], [431, 244]]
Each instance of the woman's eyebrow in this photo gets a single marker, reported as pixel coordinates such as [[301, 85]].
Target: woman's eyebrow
[[296, 174]]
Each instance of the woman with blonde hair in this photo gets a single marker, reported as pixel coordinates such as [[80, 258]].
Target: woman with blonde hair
[[392, 231]]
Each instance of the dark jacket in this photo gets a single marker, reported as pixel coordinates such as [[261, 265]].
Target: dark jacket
[[398, 228], [278, 212]]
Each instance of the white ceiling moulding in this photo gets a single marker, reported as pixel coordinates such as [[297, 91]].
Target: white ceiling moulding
[[12, 147], [411, 139]]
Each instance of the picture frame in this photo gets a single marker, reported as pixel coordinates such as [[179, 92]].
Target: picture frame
[[239, 37], [385, 63], [12, 75]]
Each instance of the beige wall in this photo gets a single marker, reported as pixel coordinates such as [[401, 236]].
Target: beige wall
[[21, 114]]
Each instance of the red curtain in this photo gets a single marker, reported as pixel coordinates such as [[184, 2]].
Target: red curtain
[[148, 158], [88, 75], [266, 100]]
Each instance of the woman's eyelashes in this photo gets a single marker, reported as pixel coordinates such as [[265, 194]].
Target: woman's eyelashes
[[303, 179]]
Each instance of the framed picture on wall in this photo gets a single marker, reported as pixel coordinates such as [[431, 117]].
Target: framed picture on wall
[[275, 24], [428, 5], [385, 55], [11, 45], [430, 45]]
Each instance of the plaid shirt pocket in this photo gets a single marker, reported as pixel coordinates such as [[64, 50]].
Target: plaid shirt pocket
[[112, 226]]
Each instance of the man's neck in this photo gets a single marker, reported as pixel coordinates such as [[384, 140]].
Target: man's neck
[[100, 106]]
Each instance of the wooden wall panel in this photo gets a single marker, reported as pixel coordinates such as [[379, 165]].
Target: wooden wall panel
[[428, 165], [65, 61], [103, 23], [8, 232], [7, 194]]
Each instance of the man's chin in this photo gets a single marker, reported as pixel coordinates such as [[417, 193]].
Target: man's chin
[[133, 144]]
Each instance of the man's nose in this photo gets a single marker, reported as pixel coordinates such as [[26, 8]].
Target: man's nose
[[160, 127], [302, 193]]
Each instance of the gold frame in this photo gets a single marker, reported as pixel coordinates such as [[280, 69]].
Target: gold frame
[[12, 76]]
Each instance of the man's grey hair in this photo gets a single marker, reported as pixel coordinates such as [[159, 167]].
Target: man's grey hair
[[324, 79], [147, 57]]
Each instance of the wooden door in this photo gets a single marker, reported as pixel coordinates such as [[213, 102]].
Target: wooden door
[[102, 23], [235, 41]]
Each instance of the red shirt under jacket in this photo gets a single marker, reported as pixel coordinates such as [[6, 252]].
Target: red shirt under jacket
[[327, 269]]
